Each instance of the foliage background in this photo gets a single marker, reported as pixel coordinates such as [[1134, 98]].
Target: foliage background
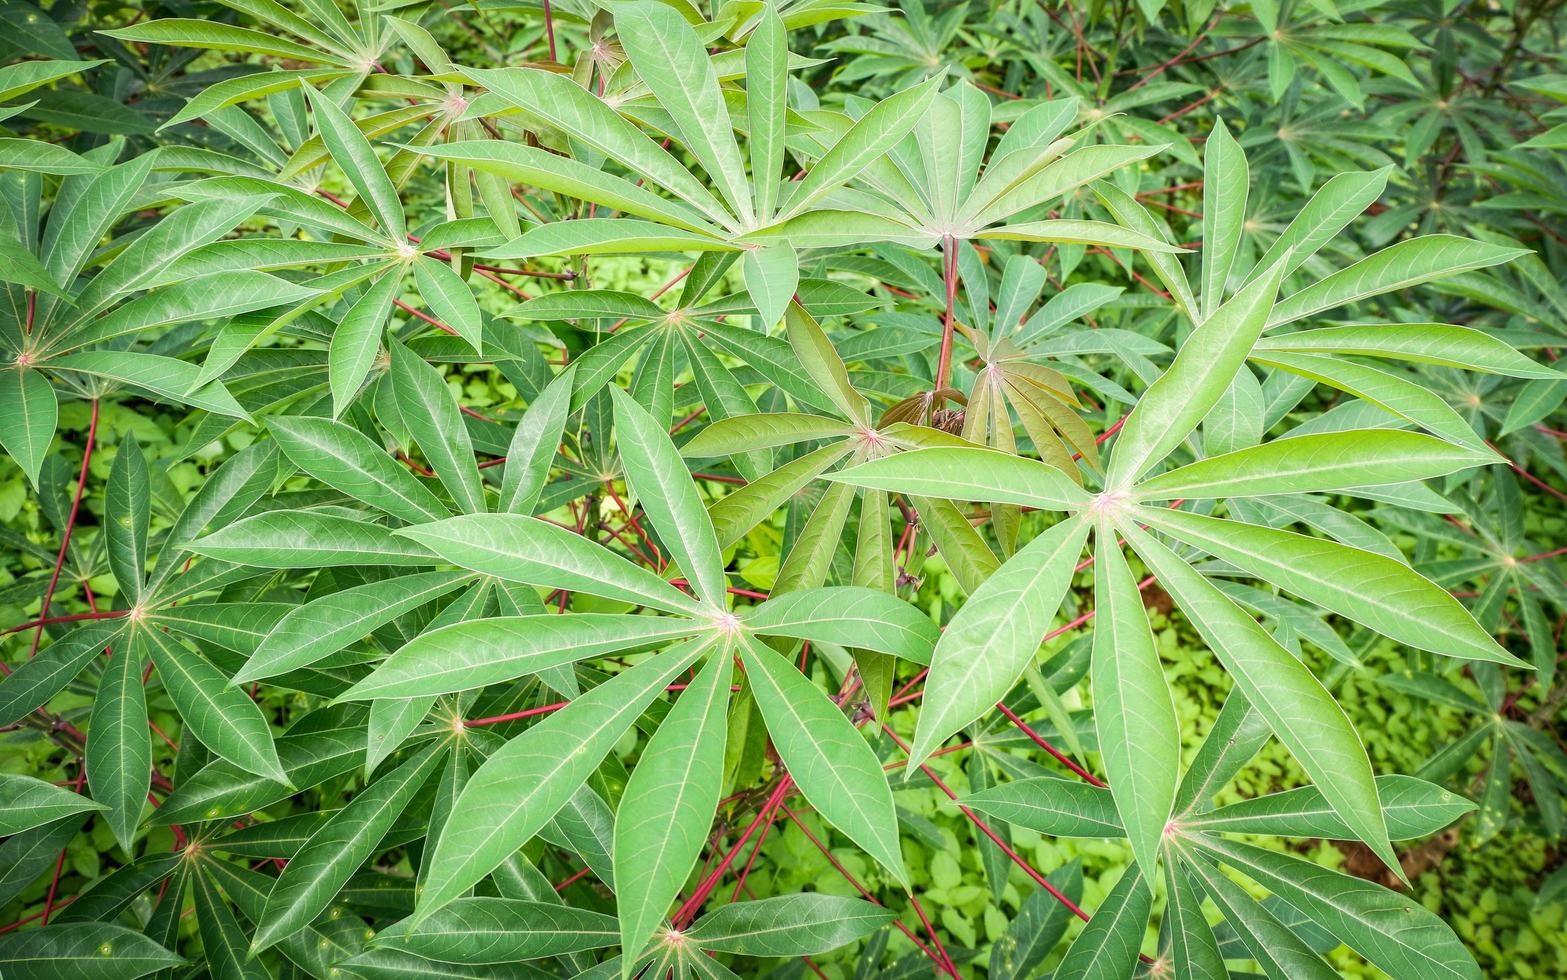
[[1459, 98]]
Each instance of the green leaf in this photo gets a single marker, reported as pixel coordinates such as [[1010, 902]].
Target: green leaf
[[214, 36], [468, 655], [559, 101], [1315, 463], [960, 473], [995, 635], [223, 717], [26, 803], [432, 417], [534, 444], [1394, 392], [356, 158], [1443, 344], [664, 488], [1297, 707], [763, 430], [527, 781], [1396, 933], [1374, 590], [1334, 205], [850, 616], [1076, 231], [823, 365], [29, 413], [1226, 178], [1134, 715], [450, 299], [535, 552], [772, 273], [767, 105], [82, 951], [357, 340], [165, 377], [664, 816], [22, 267], [35, 681], [1174, 405], [1040, 923], [119, 746], [128, 508], [502, 930], [1413, 808], [326, 625], [881, 128], [826, 756], [345, 459], [1399, 266], [305, 539], [1051, 805], [536, 167], [314, 876], [223, 942], [673, 62], [1193, 947], [1270, 942], [808, 924], [1107, 947]]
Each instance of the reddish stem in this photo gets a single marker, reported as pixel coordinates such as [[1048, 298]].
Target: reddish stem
[[70, 525]]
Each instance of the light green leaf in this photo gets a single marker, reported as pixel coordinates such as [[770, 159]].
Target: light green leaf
[[850, 616], [1331, 209], [995, 635], [1374, 590], [82, 951], [29, 413], [313, 876], [1297, 707], [128, 508], [356, 158], [468, 655], [1443, 344], [223, 717], [1051, 805], [1397, 934], [502, 930], [1174, 405], [663, 487], [345, 459], [808, 924], [119, 746], [1315, 463], [304, 539], [826, 756], [664, 816], [1134, 715], [1226, 179], [1413, 808], [450, 299], [534, 444], [766, 92], [432, 417], [1399, 266], [959, 473], [772, 273], [26, 803], [527, 781], [326, 625], [535, 552], [1107, 947], [674, 64]]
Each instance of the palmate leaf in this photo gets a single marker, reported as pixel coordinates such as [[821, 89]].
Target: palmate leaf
[[83, 951], [26, 803], [502, 930], [787, 925]]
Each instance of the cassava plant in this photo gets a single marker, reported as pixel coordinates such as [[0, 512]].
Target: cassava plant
[[407, 580]]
